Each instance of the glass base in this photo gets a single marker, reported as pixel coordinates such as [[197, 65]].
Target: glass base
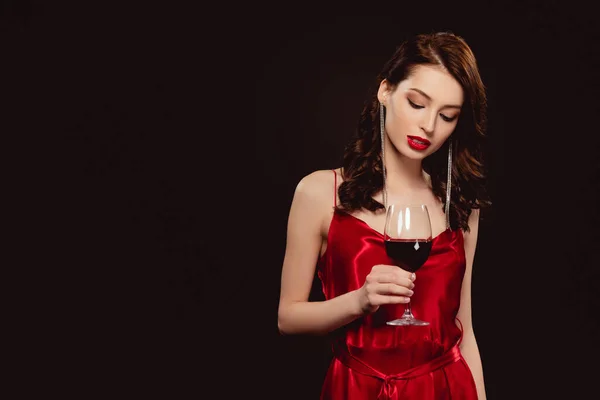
[[407, 321]]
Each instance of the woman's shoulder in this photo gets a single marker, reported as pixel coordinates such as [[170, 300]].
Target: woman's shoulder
[[319, 184]]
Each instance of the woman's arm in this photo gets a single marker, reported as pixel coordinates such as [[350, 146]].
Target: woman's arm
[[468, 345], [311, 207]]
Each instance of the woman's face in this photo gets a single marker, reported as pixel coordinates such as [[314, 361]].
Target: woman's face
[[422, 110]]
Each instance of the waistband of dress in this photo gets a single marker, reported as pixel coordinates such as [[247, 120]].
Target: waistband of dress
[[340, 351]]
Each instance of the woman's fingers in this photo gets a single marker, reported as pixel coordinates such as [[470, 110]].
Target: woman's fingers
[[394, 270], [393, 289], [391, 277], [388, 284], [381, 299]]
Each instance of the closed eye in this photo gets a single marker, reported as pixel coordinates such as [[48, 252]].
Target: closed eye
[[413, 105], [444, 117], [447, 119]]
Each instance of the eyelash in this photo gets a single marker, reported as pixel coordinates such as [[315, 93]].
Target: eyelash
[[413, 105]]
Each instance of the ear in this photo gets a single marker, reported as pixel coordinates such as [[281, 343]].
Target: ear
[[384, 92]]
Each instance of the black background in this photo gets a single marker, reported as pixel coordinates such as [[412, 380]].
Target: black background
[[161, 146]]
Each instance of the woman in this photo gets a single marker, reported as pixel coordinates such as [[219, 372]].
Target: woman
[[426, 116]]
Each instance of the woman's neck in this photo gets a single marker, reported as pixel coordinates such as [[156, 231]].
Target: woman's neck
[[404, 174]]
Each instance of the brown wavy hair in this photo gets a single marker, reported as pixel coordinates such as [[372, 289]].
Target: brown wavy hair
[[362, 166]]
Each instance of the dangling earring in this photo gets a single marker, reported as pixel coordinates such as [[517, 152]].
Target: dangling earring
[[382, 131], [449, 183]]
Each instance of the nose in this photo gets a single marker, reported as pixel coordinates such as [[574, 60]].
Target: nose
[[428, 122]]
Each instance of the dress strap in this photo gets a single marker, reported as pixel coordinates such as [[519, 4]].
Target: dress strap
[[334, 188]]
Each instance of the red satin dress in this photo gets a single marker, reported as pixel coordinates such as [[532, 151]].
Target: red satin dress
[[373, 360]]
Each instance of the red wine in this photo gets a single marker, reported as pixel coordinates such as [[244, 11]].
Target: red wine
[[407, 253]]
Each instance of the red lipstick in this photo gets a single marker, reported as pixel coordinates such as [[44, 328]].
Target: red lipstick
[[418, 143]]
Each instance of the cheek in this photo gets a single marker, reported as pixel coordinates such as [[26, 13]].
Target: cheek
[[406, 113], [443, 136], [446, 129], [400, 118]]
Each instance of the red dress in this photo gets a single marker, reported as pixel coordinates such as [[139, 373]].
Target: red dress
[[373, 360]]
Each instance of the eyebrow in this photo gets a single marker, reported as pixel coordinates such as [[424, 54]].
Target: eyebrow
[[429, 98]]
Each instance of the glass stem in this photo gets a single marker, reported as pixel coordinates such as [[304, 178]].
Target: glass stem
[[407, 311]]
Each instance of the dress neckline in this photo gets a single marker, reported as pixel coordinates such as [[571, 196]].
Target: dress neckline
[[369, 227]]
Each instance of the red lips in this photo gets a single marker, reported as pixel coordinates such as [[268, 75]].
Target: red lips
[[418, 143]]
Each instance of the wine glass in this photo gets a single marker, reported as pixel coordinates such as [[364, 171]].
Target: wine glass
[[407, 238]]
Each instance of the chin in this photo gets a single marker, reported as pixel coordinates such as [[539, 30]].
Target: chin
[[415, 154]]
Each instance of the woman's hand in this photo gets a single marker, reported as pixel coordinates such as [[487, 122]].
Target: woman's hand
[[385, 284]]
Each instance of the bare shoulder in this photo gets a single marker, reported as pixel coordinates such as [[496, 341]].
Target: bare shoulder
[[318, 185], [473, 233], [473, 220], [316, 191]]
